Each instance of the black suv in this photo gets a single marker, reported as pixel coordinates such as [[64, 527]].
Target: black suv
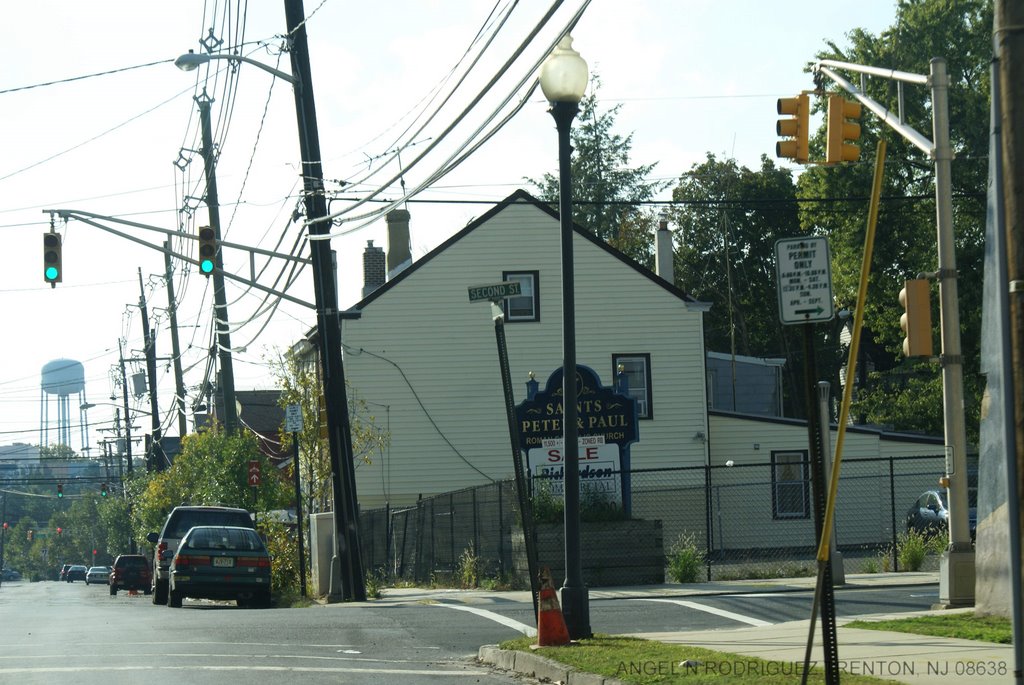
[[130, 572], [180, 521]]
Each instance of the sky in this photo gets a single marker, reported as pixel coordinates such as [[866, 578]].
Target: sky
[[691, 76]]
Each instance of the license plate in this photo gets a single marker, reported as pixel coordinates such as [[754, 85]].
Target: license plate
[[223, 562]]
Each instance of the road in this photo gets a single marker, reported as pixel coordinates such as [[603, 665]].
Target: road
[[79, 634]]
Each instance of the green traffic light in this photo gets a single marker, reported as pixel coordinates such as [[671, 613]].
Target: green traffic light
[[206, 266], [51, 273]]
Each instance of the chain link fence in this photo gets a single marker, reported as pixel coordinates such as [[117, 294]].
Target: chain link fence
[[747, 520]]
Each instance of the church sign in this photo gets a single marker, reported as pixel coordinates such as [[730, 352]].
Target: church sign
[[606, 424]]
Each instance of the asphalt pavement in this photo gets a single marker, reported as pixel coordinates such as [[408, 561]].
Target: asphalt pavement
[[900, 657]]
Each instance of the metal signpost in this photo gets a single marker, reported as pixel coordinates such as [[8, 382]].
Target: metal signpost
[[495, 293], [293, 425], [804, 282]]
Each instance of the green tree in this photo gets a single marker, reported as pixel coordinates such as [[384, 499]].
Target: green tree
[[56, 452], [607, 192], [212, 468], [727, 219], [959, 31]]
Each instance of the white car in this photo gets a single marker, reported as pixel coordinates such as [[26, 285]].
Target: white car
[[97, 574]]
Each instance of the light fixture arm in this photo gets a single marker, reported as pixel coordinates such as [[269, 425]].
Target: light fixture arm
[[191, 61]]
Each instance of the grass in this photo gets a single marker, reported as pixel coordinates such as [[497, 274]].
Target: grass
[[963, 625], [645, 662]]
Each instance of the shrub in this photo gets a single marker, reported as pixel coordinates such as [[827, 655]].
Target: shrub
[[549, 508], [686, 559], [911, 550], [870, 565]]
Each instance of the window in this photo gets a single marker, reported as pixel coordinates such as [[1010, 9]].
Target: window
[[790, 485], [525, 307], [637, 368]]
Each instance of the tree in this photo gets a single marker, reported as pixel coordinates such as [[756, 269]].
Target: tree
[[56, 451], [607, 192], [300, 384], [212, 468], [960, 31], [727, 221]]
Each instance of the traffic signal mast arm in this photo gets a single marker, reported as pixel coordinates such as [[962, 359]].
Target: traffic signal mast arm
[[827, 67], [88, 218]]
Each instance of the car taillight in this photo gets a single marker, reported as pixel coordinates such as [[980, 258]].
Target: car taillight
[[160, 549], [258, 562]]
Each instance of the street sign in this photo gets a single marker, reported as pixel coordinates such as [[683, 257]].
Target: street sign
[[254, 472], [293, 418], [804, 280], [495, 291]]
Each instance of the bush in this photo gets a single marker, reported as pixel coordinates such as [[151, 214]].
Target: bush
[[549, 508], [686, 560], [469, 568], [911, 550]]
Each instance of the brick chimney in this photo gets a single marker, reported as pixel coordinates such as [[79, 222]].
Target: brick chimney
[[373, 268], [399, 249]]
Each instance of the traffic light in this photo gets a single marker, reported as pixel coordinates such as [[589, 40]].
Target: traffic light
[[52, 269], [59, 530], [916, 320], [103, 490], [840, 130], [60, 490], [793, 129], [207, 250]]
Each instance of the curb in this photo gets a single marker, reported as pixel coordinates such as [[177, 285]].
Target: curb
[[540, 667]]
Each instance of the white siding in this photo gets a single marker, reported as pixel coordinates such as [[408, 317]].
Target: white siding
[[421, 348]]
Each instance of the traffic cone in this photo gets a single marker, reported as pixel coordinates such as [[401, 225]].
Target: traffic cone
[[551, 628]]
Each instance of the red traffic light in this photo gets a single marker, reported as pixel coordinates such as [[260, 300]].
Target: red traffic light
[[5, 525], [59, 530]]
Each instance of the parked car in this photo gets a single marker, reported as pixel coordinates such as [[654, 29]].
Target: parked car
[[220, 562], [178, 523], [928, 515], [97, 574], [10, 574], [64, 572], [76, 572], [130, 572]]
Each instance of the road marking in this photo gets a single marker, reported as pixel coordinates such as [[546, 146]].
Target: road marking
[[470, 671], [528, 631], [712, 610]]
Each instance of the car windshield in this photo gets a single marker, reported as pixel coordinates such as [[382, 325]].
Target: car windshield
[[232, 539], [131, 561]]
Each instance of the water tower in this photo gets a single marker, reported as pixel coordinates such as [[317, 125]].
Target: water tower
[[63, 378]]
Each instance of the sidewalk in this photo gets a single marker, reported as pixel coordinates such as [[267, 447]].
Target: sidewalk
[[901, 657]]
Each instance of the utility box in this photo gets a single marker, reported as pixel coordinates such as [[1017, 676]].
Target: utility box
[[321, 543]]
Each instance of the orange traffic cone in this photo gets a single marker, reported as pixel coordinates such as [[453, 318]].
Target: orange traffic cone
[[551, 628]]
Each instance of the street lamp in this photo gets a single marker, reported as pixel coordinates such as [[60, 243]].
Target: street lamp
[[348, 581], [563, 78]]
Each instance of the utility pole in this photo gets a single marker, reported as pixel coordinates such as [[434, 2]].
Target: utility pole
[[127, 416], [220, 308], [346, 565], [179, 381], [1008, 37], [155, 457]]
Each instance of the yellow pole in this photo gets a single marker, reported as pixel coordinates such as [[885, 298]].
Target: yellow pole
[[851, 364]]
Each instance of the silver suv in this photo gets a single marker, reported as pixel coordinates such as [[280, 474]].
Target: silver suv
[[179, 522]]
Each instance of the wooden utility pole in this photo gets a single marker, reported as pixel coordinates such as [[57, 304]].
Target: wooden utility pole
[[1008, 38]]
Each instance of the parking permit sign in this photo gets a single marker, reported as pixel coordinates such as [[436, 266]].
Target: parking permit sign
[[804, 277]]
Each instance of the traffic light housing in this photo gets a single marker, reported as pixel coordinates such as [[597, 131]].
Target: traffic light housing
[[207, 250], [53, 269], [843, 134], [103, 490], [60, 490], [793, 129], [916, 320]]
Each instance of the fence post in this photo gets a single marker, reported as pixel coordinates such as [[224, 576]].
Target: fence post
[[501, 532], [892, 511], [433, 540], [709, 538], [476, 540], [451, 528]]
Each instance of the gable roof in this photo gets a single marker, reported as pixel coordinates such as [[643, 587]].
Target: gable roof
[[518, 197]]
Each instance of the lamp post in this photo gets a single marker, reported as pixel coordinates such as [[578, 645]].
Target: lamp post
[[563, 78], [348, 581]]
